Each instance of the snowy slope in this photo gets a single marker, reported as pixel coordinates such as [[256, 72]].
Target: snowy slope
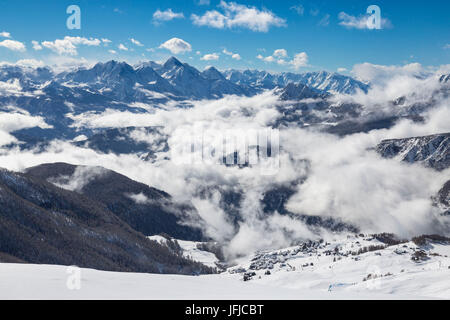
[[314, 270], [21, 281], [336, 266], [432, 151], [191, 251]]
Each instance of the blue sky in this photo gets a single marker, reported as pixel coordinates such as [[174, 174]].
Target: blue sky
[[323, 34]]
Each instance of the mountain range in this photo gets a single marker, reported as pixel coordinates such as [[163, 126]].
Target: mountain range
[[322, 81], [150, 81], [305, 99]]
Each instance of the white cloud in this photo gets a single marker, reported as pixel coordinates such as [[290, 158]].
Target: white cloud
[[10, 122], [277, 56], [5, 34], [69, 45], [447, 46], [166, 15], [122, 47], [379, 194], [235, 15], [415, 83], [235, 56], [63, 63], [228, 53], [112, 51], [300, 60], [31, 63], [13, 45], [139, 198], [280, 53], [266, 59], [136, 42], [210, 56], [360, 22], [106, 42], [36, 45], [80, 178], [342, 69], [176, 46], [10, 87], [379, 74], [203, 2]]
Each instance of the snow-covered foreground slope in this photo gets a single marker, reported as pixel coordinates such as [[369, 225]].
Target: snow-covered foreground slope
[[339, 269], [27, 281]]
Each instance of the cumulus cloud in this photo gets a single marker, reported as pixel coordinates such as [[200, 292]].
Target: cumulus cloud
[[122, 47], [136, 42], [176, 46], [280, 53], [36, 45], [166, 15], [13, 45], [106, 42], [210, 56], [266, 59], [69, 45], [360, 22], [235, 56], [235, 15], [5, 34], [300, 60]]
